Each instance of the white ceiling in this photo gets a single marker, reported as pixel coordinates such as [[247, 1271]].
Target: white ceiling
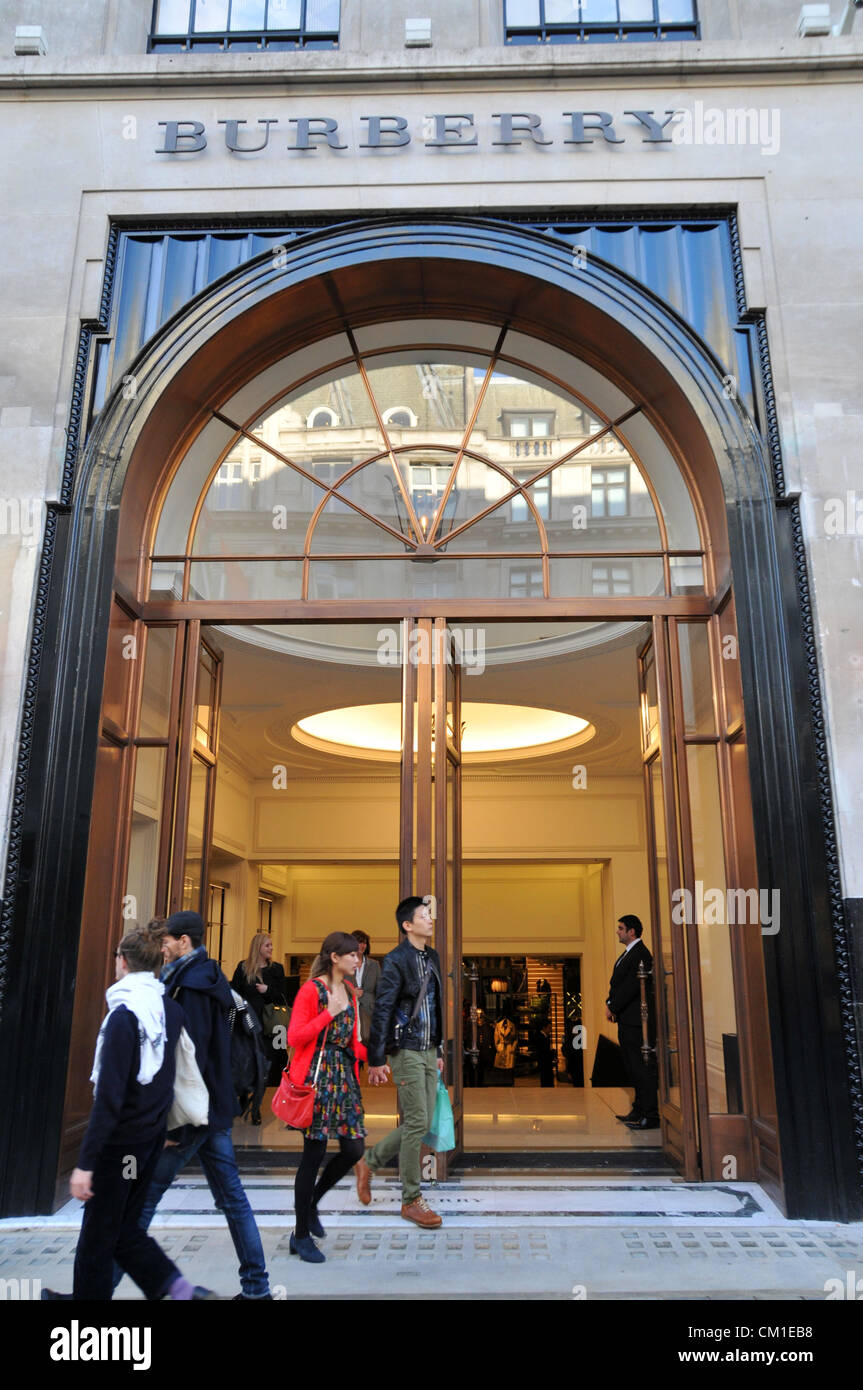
[[584, 669]]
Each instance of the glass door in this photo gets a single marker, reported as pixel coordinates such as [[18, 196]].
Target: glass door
[[431, 821], [196, 773], [447, 733], [668, 944]]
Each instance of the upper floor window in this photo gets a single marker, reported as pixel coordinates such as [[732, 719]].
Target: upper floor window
[[400, 417], [528, 424], [198, 26], [540, 492], [609, 491], [611, 580], [598, 21]]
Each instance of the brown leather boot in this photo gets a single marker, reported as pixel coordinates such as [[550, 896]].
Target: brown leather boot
[[421, 1214], [364, 1182]]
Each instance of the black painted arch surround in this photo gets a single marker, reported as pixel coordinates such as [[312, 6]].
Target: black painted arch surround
[[808, 965]]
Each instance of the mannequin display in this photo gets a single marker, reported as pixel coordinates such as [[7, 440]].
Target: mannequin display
[[504, 1044]]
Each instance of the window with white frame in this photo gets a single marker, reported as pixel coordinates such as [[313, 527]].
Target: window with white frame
[[525, 581], [609, 491], [541, 494], [527, 424], [401, 417], [322, 418], [194, 26], [599, 21], [612, 577]]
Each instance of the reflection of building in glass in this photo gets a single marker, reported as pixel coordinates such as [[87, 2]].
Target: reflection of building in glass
[[477, 467]]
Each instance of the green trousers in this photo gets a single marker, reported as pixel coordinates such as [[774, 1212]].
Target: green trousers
[[415, 1074]]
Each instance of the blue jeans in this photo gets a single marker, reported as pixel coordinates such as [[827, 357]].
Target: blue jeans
[[216, 1153]]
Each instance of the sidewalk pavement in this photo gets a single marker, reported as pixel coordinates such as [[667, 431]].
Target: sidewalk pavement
[[513, 1237]]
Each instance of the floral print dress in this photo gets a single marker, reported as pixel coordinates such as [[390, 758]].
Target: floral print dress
[[338, 1112]]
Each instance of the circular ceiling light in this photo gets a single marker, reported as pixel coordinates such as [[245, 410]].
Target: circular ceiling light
[[490, 732]]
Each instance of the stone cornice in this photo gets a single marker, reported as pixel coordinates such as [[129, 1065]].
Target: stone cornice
[[661, 64]]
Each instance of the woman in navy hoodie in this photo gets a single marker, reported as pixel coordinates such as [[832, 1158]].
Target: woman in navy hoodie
[[133, 1073]]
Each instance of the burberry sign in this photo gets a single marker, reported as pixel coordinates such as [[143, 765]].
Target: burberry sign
[[696, 124], [445, 131]]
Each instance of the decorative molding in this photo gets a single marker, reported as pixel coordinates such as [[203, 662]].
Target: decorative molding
[[89, 329], [25, 744], [843, 949], [774, 442], [334, 781], [737, 262]]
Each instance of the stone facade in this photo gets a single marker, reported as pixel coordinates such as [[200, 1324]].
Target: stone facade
[[767, 129]]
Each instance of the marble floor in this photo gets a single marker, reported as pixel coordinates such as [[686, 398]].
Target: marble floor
[[512, 1119], [518, 1200]]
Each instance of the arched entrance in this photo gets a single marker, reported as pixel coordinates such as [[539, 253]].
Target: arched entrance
[[494, 304]]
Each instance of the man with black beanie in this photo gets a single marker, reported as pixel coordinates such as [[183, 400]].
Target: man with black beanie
[[199, 986]]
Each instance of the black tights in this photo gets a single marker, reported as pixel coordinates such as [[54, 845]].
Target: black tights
[[307, 1192]]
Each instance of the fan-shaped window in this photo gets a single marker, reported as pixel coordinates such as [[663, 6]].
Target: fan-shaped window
[[585, 500]]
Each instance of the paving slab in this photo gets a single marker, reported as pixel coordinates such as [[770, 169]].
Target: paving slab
[[503, 1238]]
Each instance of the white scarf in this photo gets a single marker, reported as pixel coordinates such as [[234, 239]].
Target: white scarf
[[143, 995]]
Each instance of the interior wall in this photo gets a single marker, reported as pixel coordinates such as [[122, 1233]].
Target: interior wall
[[546, 868]]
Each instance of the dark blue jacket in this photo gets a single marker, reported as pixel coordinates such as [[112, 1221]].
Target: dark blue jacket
[[125, 1112], [205, 997]]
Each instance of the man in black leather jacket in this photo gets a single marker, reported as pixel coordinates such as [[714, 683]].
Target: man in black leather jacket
[[406, 1038]]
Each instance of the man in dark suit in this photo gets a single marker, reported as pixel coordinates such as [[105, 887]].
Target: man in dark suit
[[367, 980], [623, 1006]]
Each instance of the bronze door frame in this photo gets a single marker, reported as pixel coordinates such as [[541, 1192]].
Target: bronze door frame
[[430, 818], [192, 750], [679, 1136], [430, 821]]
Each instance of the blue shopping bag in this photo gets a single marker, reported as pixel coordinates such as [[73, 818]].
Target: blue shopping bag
[[441, 1136]]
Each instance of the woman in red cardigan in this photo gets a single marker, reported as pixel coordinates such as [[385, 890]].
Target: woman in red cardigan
[[324, 1024]]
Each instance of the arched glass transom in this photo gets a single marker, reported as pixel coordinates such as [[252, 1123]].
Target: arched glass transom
[[368, 469]]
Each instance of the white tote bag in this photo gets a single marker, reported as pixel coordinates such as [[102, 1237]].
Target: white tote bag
[[191, 1098]]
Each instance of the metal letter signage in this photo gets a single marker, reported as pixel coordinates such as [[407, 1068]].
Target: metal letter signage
[[511, 130]]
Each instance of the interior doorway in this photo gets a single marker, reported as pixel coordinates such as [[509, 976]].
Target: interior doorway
[[512, 771]]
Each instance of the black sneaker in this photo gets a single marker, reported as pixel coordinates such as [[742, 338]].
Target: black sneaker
[[247, 1298]]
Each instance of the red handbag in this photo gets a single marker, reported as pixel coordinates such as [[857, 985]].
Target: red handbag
[[293, 1104]]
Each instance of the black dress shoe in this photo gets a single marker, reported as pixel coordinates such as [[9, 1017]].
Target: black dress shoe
[[646, 1122], [633, 1115], [49, 1295]]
